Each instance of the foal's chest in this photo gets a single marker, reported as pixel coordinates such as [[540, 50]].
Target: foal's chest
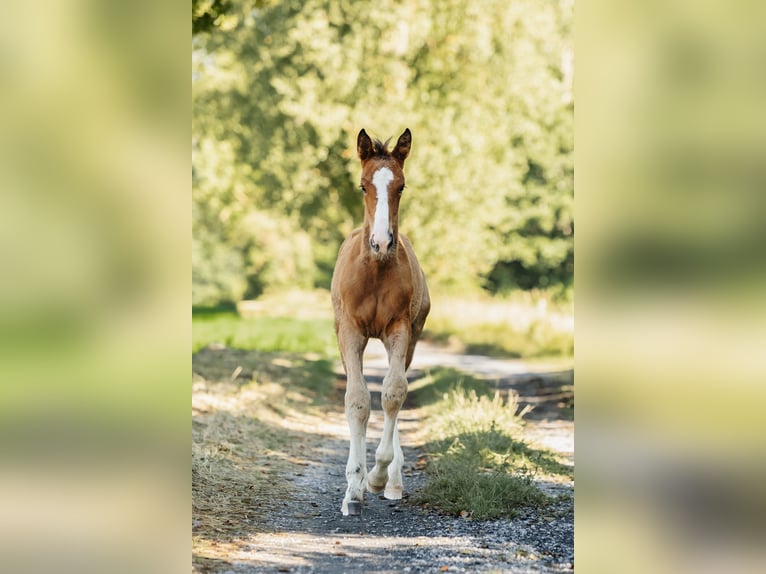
[[376, 307]]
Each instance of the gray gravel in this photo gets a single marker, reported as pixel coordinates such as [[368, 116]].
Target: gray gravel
[[401, 537]]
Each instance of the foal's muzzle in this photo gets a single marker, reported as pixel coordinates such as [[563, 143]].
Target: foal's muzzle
[[379, 248]]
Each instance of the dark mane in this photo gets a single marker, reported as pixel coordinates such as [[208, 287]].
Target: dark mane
[[380, 149]]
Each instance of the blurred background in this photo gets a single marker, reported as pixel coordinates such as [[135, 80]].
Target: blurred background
[[671, 329], [94, 285]]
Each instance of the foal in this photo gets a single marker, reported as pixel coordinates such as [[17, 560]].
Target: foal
[[379, 291]]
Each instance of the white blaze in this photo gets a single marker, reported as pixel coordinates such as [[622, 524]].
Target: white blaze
[[380, 231]]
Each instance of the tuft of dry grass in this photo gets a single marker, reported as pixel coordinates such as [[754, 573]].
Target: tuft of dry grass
[[232, 477], [242, 441]]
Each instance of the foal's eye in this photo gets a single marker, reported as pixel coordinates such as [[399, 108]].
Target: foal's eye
[[401, 189], [362, 188]]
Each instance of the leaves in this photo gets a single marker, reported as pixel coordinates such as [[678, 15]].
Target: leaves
[[280, 95]]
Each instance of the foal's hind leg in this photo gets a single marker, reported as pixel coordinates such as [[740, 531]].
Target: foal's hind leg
[[352, 346], [387, 472]]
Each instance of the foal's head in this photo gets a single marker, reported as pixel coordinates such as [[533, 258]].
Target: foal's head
[[382, 184]]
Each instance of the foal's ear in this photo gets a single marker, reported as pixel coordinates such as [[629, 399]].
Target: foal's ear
[[402, 149], [363, 145]]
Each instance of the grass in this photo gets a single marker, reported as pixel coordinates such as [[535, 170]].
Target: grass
[[241, 447], [525, 324], [291, 322], [478, 465], [277, 359], [288, 334], [274, 363], [520, 325]]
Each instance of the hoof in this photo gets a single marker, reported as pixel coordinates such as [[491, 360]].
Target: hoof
[[375, 489], [354, 508], [393, 493]]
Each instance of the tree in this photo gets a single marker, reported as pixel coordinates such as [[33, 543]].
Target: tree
[[206, 13], [281, 93]]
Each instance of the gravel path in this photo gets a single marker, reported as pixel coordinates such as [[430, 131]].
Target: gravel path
[[308, 533]]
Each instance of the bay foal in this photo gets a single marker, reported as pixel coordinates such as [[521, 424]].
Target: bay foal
[[378, 291]]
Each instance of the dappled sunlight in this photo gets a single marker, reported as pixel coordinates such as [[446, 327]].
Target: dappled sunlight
[[432, 359], [302, 549], [320, 424], [247, 435], [554, 436], [271, 438], [218, 397]]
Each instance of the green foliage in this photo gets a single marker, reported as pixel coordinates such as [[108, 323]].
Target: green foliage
[[206, 13], [217, 269], [281, 90], [275, 255]]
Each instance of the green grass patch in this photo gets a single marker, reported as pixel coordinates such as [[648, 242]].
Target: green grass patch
[[519, 324], [456, 490], [312, 377], [288, 334], [440, 382], [477, 462]]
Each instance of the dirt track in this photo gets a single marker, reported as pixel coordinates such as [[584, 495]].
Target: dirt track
[[306, 533]]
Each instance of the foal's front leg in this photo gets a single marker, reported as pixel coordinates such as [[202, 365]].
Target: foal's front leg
[[387, 472], [357, 414]]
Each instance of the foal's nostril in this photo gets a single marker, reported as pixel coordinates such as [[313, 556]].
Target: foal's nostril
[[375, 247], [390, 242]]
